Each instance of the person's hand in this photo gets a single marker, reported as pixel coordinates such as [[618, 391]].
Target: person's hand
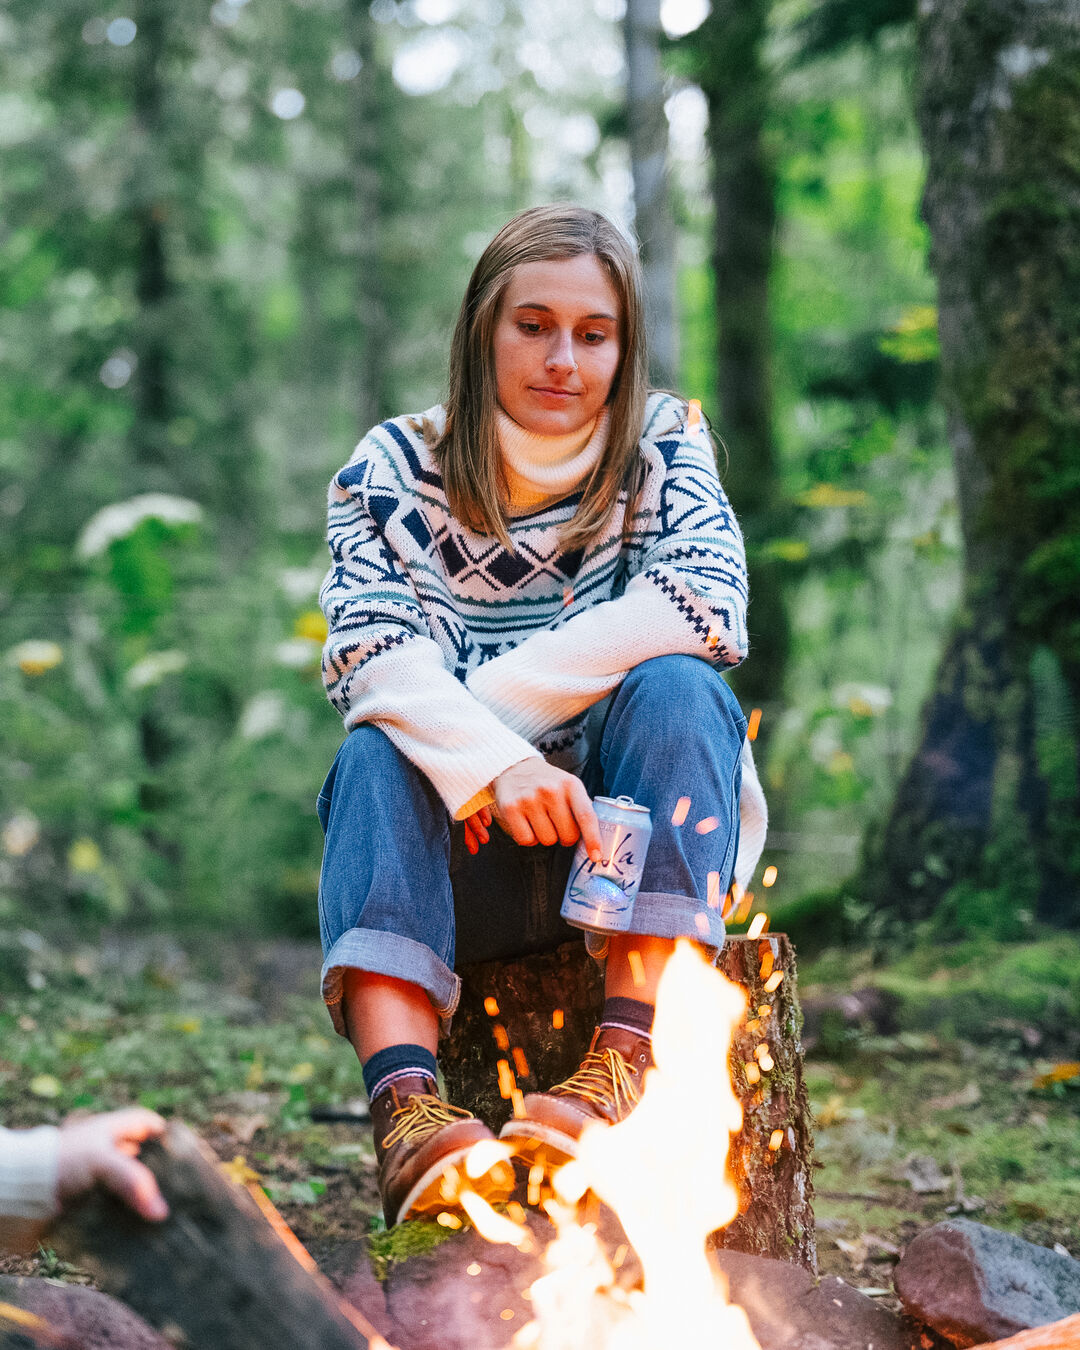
[[536, 803], [104, 1150], [476, 829]]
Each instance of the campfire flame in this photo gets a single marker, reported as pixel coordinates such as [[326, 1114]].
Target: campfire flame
[[664, 1171]]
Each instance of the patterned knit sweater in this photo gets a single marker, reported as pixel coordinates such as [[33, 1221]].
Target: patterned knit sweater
[[472, 657]]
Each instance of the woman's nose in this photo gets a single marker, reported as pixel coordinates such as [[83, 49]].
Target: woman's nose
[[560, 354]]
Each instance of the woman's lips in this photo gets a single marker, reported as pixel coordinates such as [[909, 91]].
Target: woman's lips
[[546, 392]]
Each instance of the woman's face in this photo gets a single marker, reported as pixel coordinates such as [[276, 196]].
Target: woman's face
[[557, 344]]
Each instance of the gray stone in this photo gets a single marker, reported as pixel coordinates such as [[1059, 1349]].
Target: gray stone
[[789, 1309], [87, 1318], [973, 1283], [468, 1295]]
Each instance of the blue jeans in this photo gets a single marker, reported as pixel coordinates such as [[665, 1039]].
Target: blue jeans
[[400, 894]]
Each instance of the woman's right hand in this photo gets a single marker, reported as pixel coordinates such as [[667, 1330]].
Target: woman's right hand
[[536, 803]]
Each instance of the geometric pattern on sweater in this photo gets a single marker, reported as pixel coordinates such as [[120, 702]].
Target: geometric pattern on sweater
[[405, 574]]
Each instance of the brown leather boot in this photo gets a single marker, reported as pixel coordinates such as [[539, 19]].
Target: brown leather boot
[[422, 1145], [605, 1089]]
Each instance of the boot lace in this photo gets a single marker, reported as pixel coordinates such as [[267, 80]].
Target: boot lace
[[605, 1080], [420, 1117]]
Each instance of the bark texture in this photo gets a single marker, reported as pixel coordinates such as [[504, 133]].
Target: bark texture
[[214, 1275], [727, 62], [648, 137], [989, 801], [507, 1009]]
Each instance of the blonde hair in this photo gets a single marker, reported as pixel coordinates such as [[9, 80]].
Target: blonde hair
[[468, 450]]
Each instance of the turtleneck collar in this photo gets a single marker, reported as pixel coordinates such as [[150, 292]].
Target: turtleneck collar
[[542, 469]]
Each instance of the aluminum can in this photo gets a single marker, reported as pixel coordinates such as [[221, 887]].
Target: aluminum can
[[601, 895]]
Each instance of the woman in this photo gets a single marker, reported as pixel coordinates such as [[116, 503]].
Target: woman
[[532, 591]]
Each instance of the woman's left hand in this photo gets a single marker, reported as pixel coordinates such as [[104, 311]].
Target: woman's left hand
[[476, 829]]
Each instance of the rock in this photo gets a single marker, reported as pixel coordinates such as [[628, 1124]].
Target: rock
[[973, 1283], [924, 1176], [790, 1310], [832, 1020], [88, 1318], [469, 1295]]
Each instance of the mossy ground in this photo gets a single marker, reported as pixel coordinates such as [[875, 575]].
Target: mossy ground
[[237, 1043]]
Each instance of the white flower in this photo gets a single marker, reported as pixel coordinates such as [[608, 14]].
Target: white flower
[[263, 714], [36, 656], [20, 834], [298, 653], [865, 700], [153, 668], [122, 518], [300, 583]]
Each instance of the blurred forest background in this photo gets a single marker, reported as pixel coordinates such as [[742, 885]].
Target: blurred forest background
[[234, 235]]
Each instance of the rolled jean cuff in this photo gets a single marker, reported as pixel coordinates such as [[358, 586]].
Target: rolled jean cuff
[[659, 914], [388, 954]]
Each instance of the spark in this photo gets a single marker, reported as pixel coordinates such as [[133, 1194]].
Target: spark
[[521, 1064], [693, 415], [753, 725], [776, 1139], [707, 825], [557, 1019], [491, 1006], [767, 962], [714, 890], [774, 981], [502, 1039], [769, 876], [494, 1227], [682, 809], [757, 927], [507, 1082], [637, 968]]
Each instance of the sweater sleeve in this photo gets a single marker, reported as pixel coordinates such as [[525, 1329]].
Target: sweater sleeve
[[687, 596], [381, 664], [29, 1166]]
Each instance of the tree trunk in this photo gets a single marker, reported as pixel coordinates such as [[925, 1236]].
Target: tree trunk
[[367, 134], [986, 817], [214, 1275], [728, 65], [152, 379], [508, 1013], [648, 139]]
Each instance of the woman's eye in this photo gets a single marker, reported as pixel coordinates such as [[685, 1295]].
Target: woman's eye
[[595, 338], [529, 326]]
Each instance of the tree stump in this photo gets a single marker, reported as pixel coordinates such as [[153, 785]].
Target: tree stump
[[772, 1155], [216, 1274], [509, 1016], [507, 1038]]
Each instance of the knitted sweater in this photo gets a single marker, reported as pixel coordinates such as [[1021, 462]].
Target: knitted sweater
[[29, 1165], [472, 657]]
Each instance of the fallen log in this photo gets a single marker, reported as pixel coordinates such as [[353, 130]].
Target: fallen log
[[522, 1025], [222, 1272], [1063, 1335]]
